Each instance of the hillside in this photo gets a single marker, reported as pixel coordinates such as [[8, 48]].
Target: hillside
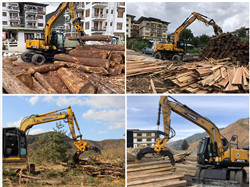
[[59, 22], [239, 128]]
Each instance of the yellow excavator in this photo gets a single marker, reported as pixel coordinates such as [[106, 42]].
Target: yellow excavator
[[175, 51], [40, 50], [14, 139], [217, 158]]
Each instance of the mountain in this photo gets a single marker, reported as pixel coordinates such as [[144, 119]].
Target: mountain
[[240, 128], [59, 22]]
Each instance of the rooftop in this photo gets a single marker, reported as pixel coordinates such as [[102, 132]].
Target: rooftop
[[151, 19]]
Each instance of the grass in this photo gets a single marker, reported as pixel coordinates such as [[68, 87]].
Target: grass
[[194, 51]]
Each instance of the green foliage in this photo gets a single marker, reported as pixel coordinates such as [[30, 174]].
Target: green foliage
[[187, 35], [137, 43], [184, 145], [51, 148], [194, 51], [195, 41], [204, 39], [242, 32]]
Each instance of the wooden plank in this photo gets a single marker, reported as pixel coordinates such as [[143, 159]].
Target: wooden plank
[[167, 183], [224, 82], [238, 77], [231, 87], [143, 175], [134, 173], [147, 167], [153, 86]]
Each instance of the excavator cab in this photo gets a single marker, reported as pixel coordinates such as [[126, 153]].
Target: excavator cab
[[57, 41], [14, 145]]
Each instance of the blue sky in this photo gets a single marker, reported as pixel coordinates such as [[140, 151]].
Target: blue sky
[[99, 117], [222, 110]]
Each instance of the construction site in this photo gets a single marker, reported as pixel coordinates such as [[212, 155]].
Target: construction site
[[94, 65], [222, 66]]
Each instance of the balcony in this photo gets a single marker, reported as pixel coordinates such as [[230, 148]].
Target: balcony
[[99, 17], [121, 5], [31, 26], [99, 4], [31, 11], [96, 29], [14, 18], [13, 9], [41, 12], [31, 20]]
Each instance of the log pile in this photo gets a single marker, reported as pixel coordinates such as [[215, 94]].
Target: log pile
[[227, 45], [86, 70], [157, 173]]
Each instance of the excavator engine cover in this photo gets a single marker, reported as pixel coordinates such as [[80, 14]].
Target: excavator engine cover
[[147, 150]]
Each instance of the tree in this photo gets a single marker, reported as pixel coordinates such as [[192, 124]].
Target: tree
[[187, 35], [204, 39], [242, 32], [184, 145], [196, 41], [51, 146]]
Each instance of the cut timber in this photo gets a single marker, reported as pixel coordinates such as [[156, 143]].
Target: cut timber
[[44, 68], [238, 76], [166, 183], [26, 79], [13, 85], [74, 83], [153, 86], [39, 77], [93, 38], [89, 54], [38, 87], [110, 47], [86, 69], [93, 62]]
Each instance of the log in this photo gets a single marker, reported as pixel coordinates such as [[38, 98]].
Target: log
[[44, 68], [40, 78], [110, 47], [13, 85], [93, 38], [75, 84], [83, 47], [86, 69], [26, 79], [89, 54], [37, 87], [93, 62]]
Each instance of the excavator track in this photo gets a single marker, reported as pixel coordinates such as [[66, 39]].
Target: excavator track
[[147, 150]]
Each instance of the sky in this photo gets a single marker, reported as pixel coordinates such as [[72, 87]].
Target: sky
[[228, 15], [52, 6], [99, 117], [223, 110]]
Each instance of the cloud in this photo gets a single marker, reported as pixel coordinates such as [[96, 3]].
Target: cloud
[[106, 101], [36, 131], [52, 7], [115, 119], [48, 98], [33, 100], [14, 124], [102, 132], [69, 101]]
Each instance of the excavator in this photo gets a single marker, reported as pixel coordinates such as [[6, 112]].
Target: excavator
[[15, 139], [217, 158], [40, 50], [175, 51]]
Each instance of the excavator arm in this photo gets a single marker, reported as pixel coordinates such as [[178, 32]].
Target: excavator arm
[[75, 20], [190, 20], [56, 115], [165, 108]]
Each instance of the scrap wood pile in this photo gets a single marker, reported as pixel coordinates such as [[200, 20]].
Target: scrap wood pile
[[227, 45], [87, 69], [212, 76], [157, 173]]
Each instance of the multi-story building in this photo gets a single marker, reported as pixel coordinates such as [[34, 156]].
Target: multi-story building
[[22, 21], [100, 18], [153, 29], [132, 27], [137, 138]]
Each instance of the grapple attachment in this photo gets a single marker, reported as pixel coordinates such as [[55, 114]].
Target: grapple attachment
[[78, 153]]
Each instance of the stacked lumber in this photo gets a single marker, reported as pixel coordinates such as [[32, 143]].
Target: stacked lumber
[[157, 173], [86, 70], [213, 76], [227, 45]]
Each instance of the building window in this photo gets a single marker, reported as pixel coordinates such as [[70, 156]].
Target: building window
[[139, 134], [139, 140], [5, 22], [148, 139], [39, 17], [148, 134], [147, 24], [88, 13], [4, 13], [119, 26], [120, 14], [111, 24], [40, 24], [87, 25], [112, 11], [4, 4], [107, 11], [87, 3], [147, 29]]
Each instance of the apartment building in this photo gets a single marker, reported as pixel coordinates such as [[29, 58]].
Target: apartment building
[[21, 21], [100, 18], [137, 138], [153, 28], [132, 26]]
